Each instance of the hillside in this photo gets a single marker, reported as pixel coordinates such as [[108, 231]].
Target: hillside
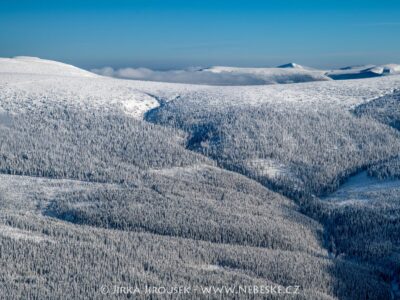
[[368, 71], [37, 66], [148, 183]]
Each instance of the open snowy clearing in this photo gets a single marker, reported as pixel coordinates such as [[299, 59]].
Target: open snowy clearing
[[360, 186], [19, 234]]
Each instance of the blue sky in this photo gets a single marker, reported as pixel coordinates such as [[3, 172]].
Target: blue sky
[[164, 34]]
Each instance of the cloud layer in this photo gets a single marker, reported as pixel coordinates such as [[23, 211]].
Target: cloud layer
[[191, 75]]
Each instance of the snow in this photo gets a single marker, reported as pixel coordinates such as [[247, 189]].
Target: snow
[[185, 172], [290, 73], [219, 76], [34, 65], [30, 194], [268, 168], [339, 94], [241, 76], [30, 82], [365, 71], [292, 65], [5, 118], [19, 234], [357, 187], [26, 83], [210, 268]]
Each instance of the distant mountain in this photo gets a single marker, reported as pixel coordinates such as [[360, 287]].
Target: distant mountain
[[291, 65], [289, 73], [366, 71], [238, 76]]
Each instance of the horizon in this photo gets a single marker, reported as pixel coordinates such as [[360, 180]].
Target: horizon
[[198, 67], [217, 75]]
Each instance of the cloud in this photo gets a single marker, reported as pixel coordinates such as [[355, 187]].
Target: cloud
[[190, 75]]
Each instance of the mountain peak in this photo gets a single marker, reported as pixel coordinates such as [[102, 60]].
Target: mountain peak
[[291, 65]]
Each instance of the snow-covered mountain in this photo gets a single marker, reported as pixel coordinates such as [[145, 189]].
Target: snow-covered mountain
[[25, 81], [290, 73], [291, 65], [34, 65], [29, 81], [237, 76], [366, 71], [184, 184]]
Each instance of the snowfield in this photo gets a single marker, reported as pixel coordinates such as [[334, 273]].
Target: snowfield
[[366, 71], [26, 82], [362, 187], [37, 66]]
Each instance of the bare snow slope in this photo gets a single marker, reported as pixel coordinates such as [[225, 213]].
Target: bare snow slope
[[362, 187], [366, 71], [341, 94], [34, 65], [26, 82], [31, 81], [290, 73]]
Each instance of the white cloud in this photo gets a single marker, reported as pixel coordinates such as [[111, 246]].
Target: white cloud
[[191, 75]]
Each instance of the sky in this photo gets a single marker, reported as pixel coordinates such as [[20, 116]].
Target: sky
[[168, 34]]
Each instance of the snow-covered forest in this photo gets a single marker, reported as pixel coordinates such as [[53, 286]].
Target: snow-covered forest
[[127, 182]]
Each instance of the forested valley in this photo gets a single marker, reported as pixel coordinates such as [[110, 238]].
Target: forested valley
[[197, 190]]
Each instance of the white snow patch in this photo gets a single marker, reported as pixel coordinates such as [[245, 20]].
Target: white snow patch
[[364, 71], [181, 171], [19, 234], [5, 118], [207, 267], [357, 187], [268, 167], [211, 268]]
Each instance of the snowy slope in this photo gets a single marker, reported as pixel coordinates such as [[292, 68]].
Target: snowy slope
[[31, 81], [343, 94], [289, 73], [174, 198], [34, 65], [367, 71], [292, 65], [26, 82]]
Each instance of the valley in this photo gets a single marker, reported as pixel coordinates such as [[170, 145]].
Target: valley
[[137, 183]]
